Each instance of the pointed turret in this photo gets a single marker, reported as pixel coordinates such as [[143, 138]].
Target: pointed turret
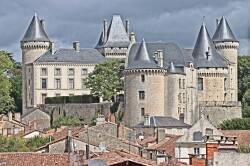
[[223, 32], [204, 53], [142, 60], [35, 31]]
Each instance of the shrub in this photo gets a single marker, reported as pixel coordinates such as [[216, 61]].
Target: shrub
[[66, 121], [236, 124]]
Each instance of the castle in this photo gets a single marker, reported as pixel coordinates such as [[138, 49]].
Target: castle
[[161, 79]]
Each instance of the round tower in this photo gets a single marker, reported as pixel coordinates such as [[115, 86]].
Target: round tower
[[34, 43], [227, 45], [144, 87]]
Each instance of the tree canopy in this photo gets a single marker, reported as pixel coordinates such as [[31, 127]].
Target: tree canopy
[[66, 121], [105, 81], [244, 83], [6, 66], [236, 124]]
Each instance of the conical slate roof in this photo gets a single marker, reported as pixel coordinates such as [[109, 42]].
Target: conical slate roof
[[116, 34], [142, 60], [35, 31], [223, 32], [204, 53]]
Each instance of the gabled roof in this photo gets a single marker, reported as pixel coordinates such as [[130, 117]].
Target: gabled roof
[[116, 34], [142, 60], [35, 31], [164, 121], [84, 56], [204, 53], [224, 32]]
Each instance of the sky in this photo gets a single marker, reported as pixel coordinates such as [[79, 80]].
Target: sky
[[67, 21]]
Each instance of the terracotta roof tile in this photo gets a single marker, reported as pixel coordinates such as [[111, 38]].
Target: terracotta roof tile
[[34, 159], [242, 135]]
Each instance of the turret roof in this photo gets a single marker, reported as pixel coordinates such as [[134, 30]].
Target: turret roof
[[116, 34], [204, 53], [35, 31], [224, 32]]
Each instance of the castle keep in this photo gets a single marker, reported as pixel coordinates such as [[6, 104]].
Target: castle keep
[[161, 79]]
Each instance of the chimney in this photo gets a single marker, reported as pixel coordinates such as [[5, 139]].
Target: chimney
[[10, 116], [105, 30], [127, 26], [52, 47], [160, 135], [42, 23], [217, 22], [17, 116], [146, 120], [70, 147], [132, 37], [76, 46], [159, 57]]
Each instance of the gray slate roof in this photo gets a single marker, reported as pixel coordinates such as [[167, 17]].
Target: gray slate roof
[[164, 121], [171, 53], [35, 31], [116, 34], [84, 56], [204, 46], [224, 32]]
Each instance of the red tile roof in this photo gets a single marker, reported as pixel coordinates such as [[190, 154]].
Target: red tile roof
[[34, 159], [243, 136], [115, 157]]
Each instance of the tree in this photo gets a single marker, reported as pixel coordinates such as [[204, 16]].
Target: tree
[[236, 124], [6, 65], [37, 141], [66, 121], [244, 84], [105, 81]]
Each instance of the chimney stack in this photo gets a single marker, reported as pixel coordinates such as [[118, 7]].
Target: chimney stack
[[42, 23], [10, 116], [132, 37], [17, 116], [159, 57], [105, 30], [52, 48], [127, 25], [76, 46], [160, 135]]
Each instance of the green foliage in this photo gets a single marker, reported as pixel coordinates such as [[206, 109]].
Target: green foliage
[[236, 124], [244, 84], [72, 99], [37, 141], [243, 149], [66, 121], [16, 90], [6, 66], [12, 144], [114, 107], [105, 81]]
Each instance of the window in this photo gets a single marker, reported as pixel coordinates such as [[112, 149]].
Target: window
[[58, 72], [9, 131], [58, 83], [141, 95], [44, 83], [57, 94], [200, 84], [179, 97], [84, 71], [71, 83], [179, 83], [71, 72], [225, 81], [83, 83], [44, 95], [209, 131], [183, 83], [29, 82], [142, 78], [197, 136], [196, 150], [142, 111], [184, 97], [44, 71]]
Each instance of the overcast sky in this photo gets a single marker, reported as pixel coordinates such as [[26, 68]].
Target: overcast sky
[[156, 20]]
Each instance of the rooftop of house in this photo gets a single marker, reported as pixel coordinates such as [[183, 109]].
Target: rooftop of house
[[164, 122], [121, 156], [33, 159], [242, 135], [82, 56]]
